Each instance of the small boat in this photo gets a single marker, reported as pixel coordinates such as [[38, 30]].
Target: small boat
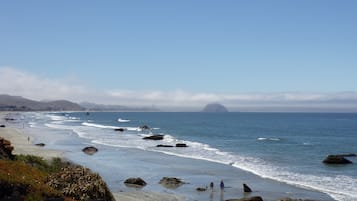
[[123, 120]]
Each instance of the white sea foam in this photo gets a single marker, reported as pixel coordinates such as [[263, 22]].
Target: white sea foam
[[99, 125], [268, 139]]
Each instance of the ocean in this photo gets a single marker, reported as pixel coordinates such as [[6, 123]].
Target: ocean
[[277, 154]]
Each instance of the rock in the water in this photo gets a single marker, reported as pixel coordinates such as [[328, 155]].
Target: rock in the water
[[255, 198], [135, 182], [164, 145], [246, 188], [90, 150], [40, 144], [181, 145], [214, 107], [336, 159], [154, 137], [80, 183], [2, 126], [144, 127], [119, 129], [171, 182]]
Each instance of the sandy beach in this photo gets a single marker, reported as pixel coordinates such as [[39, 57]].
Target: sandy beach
[[21, 144]]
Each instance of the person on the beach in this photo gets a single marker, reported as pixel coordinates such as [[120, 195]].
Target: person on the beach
[[211, 185], [222, 185]]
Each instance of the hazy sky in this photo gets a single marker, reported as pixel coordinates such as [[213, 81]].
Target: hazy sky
[[180, 52]]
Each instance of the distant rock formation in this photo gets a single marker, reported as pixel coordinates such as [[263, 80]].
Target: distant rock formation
[[214, 107], [336, 159]]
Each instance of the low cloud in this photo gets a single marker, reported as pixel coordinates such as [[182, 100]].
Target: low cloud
[[29, 85]]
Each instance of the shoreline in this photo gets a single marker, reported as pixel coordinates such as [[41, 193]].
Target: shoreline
[[19, 140], [18, 137]]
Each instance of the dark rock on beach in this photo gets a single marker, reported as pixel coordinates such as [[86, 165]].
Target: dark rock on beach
[[171, 182], [164, 145], [40, 144], [255, 198], [201, 189], [135, 182], [336, 159], [119, 129], [90, 150], [154, 137], [2, 126], [246, 188], [181, 145]]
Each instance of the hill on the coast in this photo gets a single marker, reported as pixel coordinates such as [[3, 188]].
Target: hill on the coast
[[18, 103], [214, 107]]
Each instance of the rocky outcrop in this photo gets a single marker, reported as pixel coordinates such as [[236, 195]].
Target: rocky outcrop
[[80, 183], [6, 149], [154, 137], [135, 182], [90, 150], [246, 188], [214, 107], [336, 159], [181, 145], [171, 182]]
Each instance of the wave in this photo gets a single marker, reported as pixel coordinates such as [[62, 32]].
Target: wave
[[99, 125], [268, 139], [123, 120]]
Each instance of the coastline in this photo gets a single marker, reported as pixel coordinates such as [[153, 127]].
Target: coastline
[[206, 171], [21, 144]]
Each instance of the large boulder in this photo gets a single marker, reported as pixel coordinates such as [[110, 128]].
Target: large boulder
[[171, 182], [135, 182], [154, 137], [80, 183], [90, 150], [336, 159]]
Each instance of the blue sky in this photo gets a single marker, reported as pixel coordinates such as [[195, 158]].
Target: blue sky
[[192, 47]]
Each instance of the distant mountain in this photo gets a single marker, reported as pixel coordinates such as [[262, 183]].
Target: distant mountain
[[18, 103], [102, 107], [214, 107]]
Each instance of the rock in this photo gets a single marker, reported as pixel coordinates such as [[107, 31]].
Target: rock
[[214, 107], [144, 127], [154, 137], [246, 188], [2, 126], [135, 182], [255, 198], [40, 144], [119, 129], [181, 145], [201, 189], [90, 150], [336, 159], [6, 149], [80, 183], [164, 145], [171, 182]]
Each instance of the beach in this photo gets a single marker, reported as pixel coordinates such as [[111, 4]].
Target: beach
[[118, 163]]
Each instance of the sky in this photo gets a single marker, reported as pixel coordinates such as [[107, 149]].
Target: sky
[[182, 54]]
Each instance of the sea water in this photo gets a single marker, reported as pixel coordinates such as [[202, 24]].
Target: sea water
[[283, 151]]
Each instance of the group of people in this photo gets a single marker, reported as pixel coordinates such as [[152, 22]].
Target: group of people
[[221, 185]]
